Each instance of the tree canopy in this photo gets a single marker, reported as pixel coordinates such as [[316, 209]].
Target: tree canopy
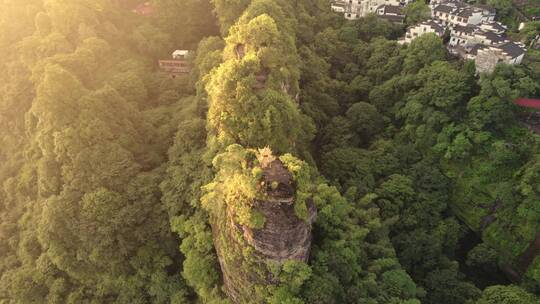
[[415, 179]]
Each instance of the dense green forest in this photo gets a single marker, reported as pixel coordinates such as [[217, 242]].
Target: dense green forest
[[413, 177]]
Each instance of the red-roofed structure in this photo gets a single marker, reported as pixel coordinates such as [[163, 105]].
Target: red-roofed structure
[[175, 67], [528, 103], [531, 119]]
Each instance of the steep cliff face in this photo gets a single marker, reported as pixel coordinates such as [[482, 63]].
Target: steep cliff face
[[255, 237], [261, 209], [284, 235]]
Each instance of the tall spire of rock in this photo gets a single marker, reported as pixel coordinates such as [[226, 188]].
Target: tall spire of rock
[[257, 220], [260, 219]]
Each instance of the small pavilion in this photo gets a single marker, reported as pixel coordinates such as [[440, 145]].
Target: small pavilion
[[532, 117]]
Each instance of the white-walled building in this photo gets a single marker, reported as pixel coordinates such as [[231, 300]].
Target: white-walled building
[[493, 26], [180, 54], [391, 13], [422, 28], [456, 13], [338, 6], [488, 12], [473, 34], [489, 38], [354, 9], [458, 7], [460, 35], [487, 57]]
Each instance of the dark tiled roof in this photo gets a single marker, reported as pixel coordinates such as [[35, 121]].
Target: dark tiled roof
[[437, 27], [461, 5], [495, 38], [467, 12], [497, 26], [443, 8], [512, 49], [448, 1], [392, 9], [475, 48], [469, 29], [487, 8]]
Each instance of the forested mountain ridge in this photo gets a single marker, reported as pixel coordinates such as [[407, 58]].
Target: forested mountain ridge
[[121, 184]]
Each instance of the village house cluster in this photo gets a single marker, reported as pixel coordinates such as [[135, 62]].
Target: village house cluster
[[474, 34], [388, 9]]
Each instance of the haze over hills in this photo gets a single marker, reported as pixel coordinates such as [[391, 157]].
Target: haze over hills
[[264, 151]]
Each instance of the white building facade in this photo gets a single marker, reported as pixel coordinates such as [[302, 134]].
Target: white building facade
[[487, 57], [355, 9], [422, 28], [473, 34]]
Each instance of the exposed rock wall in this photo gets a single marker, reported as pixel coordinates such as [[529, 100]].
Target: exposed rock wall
[[245, 253], [284, 235]]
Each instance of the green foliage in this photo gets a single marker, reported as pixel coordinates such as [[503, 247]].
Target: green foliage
[[530, 31], [352, 239], [292, 276], [482, 255], [185, 21], [235, 186], [372, 26], [399, 284], [423, 51], [448, 285], [303, 181], [506, 12], [417, 12], [442, 89], [83, 182], [257, 118], [228, 11], [506, 295], [348, 167], [365, 120], [150, 41], [116, 180]]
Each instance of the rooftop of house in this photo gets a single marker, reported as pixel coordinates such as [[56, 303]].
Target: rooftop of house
[[443, 8], [339, 4], [444, 1], [180, 53], [493, 37], [468, 29], [497, 26], [475, 48], [436, 26], [391, 9], [342, 3], [465, 12], [528, 103], [491, 32], [512, 49], [174, 66], [487, 8], [461, 9]]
